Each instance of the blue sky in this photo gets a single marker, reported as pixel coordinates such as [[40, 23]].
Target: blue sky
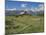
[[22, 4]]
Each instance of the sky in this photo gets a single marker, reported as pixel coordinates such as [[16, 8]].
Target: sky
[[11, 5]]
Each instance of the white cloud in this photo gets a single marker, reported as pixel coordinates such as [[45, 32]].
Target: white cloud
[[11, 9], [23, 5], [39, 8]]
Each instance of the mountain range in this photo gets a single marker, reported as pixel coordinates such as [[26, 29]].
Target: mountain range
[[20, 12]]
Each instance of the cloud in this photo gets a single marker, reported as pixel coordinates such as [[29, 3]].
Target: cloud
[[39, 8], [11, 9], [23, 5]]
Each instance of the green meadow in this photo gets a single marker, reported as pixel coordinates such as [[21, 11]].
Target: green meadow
[[24, 24]]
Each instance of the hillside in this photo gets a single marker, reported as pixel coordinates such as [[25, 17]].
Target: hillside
[[24, 24]]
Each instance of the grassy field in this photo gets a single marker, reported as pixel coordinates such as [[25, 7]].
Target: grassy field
[[24, 24]]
